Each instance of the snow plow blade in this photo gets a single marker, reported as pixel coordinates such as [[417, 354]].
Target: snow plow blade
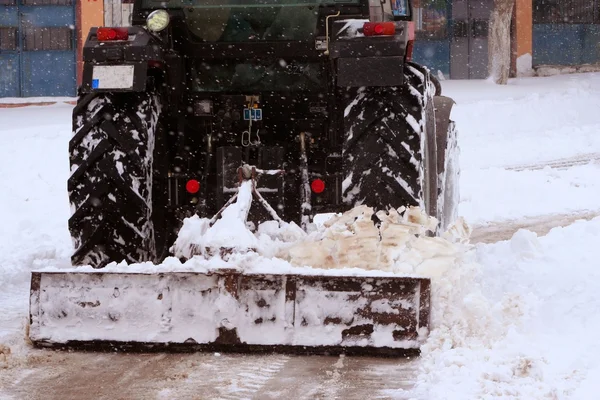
[[229, 311]]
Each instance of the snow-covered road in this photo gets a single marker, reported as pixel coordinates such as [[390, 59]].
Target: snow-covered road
[[76, 376], [507, 136]]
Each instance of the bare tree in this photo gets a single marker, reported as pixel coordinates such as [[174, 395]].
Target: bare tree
[[499, 41]]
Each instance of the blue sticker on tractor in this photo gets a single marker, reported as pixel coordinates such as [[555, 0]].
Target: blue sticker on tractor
[[256, 114], [399, 8], [95, 83]]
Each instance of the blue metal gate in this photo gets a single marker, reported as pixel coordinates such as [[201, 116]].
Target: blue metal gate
[[566, 32], [432, 42], [37, 48]]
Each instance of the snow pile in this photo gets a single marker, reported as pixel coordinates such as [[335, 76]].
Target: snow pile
[[34, 210], [520, 323], [230, 233], [397, 242]]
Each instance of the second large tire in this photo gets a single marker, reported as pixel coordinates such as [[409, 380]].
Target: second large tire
[[386, 131], [111, 182]]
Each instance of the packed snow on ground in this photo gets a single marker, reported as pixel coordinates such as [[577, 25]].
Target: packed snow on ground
[[495, 194], [529, 121], [511, 320], [34, 208], [520, 322]]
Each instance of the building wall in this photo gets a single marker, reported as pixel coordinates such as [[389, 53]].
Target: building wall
[[117, 12], [523, 37], [452, 37], [432, 28], [37, 48], [90, 14], [566, 32]]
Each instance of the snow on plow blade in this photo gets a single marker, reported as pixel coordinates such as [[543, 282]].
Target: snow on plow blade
[[228, 310]]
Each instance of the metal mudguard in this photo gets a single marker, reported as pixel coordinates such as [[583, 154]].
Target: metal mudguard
[[367, 61], [227, 310], [370, 71], [443, 108], [136, 52]]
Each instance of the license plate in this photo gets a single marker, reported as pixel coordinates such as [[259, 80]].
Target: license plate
[[253, 113], [112, 77]]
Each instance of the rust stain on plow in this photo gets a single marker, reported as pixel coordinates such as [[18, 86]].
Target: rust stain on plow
[[84, 304]]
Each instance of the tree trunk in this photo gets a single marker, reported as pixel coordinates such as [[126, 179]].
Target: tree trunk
[[499, 41]]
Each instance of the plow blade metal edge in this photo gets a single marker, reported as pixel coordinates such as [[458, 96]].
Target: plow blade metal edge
[[226, 310]]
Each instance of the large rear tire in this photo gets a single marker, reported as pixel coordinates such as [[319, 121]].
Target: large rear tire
[[387, 131], [111, 182]]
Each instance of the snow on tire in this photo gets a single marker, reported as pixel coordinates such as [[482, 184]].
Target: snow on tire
[[384, 144], [110, 187]]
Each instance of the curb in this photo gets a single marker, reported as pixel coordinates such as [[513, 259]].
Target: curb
[[552, 70], [44, 103]]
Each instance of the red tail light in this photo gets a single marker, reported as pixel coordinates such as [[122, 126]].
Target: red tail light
[[192, 186], [379, 28], [155, 64], [317, 186], [409, 50], [108, 34]]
